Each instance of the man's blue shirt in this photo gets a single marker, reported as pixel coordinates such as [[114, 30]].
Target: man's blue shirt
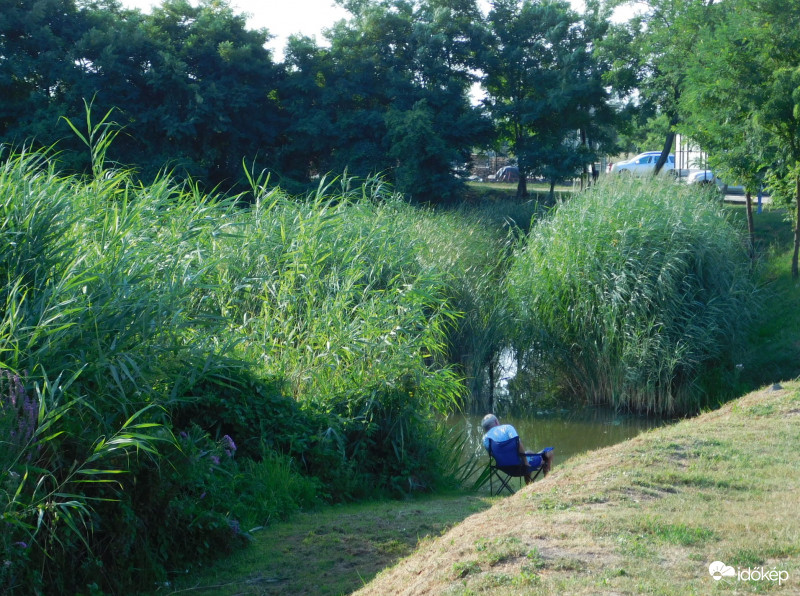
[[498, 434]]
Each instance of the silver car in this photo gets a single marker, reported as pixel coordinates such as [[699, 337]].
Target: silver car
[[643, 164], [708, 177]]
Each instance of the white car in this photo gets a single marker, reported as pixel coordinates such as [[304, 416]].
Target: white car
[[643, 164], [702, 177], [708, 177]]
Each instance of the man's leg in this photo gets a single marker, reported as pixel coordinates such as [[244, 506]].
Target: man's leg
[[548, 462], [536, 461]]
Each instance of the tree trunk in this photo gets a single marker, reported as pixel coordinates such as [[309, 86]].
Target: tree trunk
[[552, 198], [751, 249], [522, 185], [585, 173], [668, 140], [796, 227]]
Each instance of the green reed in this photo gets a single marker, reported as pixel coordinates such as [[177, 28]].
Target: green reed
[[313, 330], [630, 290], [472, 248]]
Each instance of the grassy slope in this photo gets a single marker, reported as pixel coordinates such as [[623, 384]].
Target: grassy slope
[[645, 516], [331, 551]]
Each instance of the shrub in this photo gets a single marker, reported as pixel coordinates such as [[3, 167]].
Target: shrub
[[628, 291], [54, 483]]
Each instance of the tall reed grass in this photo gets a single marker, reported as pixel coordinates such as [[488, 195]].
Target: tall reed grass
[[328, 294], [472, 247], [630, 290], [209, 349], [312, 333]]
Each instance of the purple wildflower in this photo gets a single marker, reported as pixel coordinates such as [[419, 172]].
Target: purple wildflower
[[228, 445], [15, 401], [21, 544], [215, 459], [234, 525], [183, 435]]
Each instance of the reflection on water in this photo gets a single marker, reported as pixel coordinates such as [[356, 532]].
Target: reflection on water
[[570, 433]]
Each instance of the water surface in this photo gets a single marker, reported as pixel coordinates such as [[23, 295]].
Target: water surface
[[568, 432]]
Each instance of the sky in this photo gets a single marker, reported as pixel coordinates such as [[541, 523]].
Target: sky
[[283, 18]]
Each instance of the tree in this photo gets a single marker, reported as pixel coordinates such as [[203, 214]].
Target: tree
[[716, 107], [192, 87], [544, 88], [585, 121], [209, 97], [780, 117], [748, 115], [662, 39], [36, 41], [389, 96]]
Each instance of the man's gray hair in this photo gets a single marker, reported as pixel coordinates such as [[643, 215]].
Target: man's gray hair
[[489, 421]]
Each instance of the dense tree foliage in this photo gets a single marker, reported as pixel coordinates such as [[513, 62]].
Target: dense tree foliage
[[390, 93], [191, 85], [742, 98], [390, 96]]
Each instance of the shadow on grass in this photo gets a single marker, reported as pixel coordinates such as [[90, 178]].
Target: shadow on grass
[[335, 550]]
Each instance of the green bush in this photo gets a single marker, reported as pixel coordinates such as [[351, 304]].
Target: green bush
[[629, 291]]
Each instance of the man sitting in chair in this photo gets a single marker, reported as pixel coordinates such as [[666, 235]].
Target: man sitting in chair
[[502, 432]]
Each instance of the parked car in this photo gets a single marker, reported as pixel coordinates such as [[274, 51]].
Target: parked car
[[708, 177], [701, 177], [643, 164], [507, 174]]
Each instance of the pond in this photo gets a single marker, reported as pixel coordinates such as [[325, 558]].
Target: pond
[[569, 432]]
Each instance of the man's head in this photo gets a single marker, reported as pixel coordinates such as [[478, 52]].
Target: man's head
[[489, 421]]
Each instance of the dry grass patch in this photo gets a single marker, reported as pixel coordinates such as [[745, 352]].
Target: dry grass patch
[[645, 516]]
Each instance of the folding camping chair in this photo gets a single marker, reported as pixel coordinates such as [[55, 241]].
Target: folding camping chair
[[505, 463]]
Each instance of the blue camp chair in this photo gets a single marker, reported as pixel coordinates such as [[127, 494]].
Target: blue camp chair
[[505, 463]]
